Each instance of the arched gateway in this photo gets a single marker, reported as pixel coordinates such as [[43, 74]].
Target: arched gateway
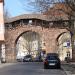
[[37, 31]]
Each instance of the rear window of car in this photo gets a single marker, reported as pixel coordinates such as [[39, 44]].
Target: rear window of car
[[51, 57], [52, 54], [28, 56]]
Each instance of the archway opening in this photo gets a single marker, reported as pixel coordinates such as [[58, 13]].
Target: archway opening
[[64, 46], [28, 43]]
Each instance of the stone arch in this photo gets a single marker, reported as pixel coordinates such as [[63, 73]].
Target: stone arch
[[34, 37], [48, 37], [37, 30], [60, 35], [64, 45], [13, 35], [23, 33]]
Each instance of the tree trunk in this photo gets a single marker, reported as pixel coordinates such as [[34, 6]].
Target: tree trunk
[[73, 42]]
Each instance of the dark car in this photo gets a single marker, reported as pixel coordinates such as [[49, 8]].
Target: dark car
[[52, 61], [27, 58]]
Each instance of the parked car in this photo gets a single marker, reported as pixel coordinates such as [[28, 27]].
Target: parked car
[[52, 61], [27, 58], [19, 58]]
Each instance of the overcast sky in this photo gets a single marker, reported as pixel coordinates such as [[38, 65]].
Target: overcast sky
[[15, 7]]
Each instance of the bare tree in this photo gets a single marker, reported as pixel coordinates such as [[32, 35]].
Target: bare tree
[[30, 38], [6, 15], [71, 4], [27, 45], [44, 5]]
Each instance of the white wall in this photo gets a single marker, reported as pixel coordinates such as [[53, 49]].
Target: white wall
[[1, 22]]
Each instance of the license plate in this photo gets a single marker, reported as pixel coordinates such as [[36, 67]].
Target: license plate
[[52, 64]]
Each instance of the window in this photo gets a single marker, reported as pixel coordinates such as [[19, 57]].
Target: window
[[30, 21], [68, 54]]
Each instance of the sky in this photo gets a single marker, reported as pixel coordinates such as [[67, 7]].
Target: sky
[[18, 7], [15, 7]]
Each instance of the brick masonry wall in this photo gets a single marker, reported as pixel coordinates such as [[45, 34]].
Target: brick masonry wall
[[48, 34]]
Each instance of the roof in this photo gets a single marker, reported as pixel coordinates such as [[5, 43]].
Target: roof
[[36, 16], [27, 16]]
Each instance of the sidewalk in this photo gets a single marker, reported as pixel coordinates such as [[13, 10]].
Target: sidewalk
[[5, 64], [69, 68]]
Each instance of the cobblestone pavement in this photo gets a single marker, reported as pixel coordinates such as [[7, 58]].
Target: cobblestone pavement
[[69, 68]]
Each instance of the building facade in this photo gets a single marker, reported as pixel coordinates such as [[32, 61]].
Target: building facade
[[2, 33]]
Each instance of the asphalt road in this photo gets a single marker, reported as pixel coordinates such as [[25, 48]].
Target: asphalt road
[[29, 68]]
